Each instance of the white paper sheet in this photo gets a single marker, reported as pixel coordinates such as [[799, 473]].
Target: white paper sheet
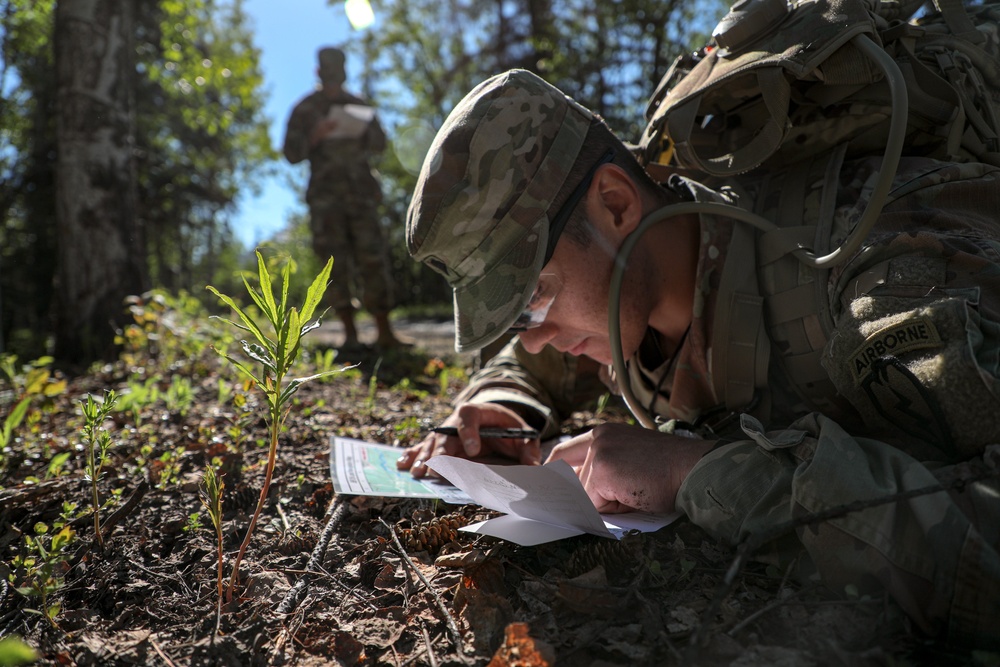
[[542, 503], [352, 120]]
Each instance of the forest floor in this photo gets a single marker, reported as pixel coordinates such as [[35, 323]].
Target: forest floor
[[331, 580]]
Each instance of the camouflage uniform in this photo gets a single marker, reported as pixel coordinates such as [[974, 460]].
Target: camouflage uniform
[[916, 356], [343, 198], [904, 395]]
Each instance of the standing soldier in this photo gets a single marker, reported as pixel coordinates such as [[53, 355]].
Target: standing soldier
[[338, 132]]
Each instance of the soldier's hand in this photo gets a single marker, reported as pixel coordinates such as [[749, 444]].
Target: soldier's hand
[[625, 468], [468, 418], [321, 130]]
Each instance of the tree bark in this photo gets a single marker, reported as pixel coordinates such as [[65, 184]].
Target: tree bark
[[100, 251]]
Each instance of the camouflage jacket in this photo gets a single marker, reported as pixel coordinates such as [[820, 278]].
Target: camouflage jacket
[[915, 313], [336, 160]]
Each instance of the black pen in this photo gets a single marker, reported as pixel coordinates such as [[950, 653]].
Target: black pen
[[490, 432]]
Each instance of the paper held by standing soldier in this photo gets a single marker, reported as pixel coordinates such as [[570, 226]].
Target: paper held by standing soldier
[[352, 120]]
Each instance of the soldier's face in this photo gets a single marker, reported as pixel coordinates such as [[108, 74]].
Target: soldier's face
[[577, 319]]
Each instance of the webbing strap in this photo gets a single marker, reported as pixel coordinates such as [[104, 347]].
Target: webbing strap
[[776, 244], [792, 304], [740, 346], [958, 20], [776, 92], [806, 368]]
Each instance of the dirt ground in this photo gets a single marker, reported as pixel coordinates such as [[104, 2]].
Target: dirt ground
[[333, 580]]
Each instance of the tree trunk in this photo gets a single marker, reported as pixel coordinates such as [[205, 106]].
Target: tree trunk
[[100, 250]]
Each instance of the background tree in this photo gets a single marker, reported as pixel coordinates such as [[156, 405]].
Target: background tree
[[27, 178], [100, 258], [200, 137]]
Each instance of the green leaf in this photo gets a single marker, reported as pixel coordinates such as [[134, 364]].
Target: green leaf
[[285, 279], [14, 652], [252, 326], [243, 369], [62, 539], [294, 333], [289, 391], [14, 420], [258, 353], [309, 326], [266, 289], [56, 464], [314, 295]]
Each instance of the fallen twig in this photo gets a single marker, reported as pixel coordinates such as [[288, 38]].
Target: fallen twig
[[456, 637], [430, 648], [159, 652], [292, 597]]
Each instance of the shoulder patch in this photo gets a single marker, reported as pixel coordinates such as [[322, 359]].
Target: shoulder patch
[[913, 334]]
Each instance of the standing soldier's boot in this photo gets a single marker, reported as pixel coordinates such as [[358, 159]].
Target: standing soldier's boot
[[386, 337], [346, 316]]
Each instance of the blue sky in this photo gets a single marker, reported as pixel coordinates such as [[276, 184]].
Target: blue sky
[[288, 34]]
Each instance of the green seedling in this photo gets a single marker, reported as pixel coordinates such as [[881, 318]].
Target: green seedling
[[169, 467], [211, 498], [12, 421], [140, 395], [98, 443], [602, 403], [275, 351], [34, 379], [44, 567], [180, 395], [13, 651], [370, 401], [57, 464], [324, 360]]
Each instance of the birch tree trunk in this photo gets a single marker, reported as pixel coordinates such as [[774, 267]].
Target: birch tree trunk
[[101, 260]]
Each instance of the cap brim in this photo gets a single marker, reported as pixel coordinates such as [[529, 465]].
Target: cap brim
[[485, 310]]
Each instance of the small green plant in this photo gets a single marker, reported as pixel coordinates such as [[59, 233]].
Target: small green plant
[[193, 523], [602, 403], [12, 421], [44, 567], [13, 651], [34, 379], [211, 498], [324, 361], [180, 395], [370, 401], [98, 443], [140, 395], [224, 392], [169, 467], [56, 465], [275, 350]]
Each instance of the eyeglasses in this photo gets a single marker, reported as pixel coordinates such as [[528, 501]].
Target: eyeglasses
[[538, 306], [549, 284]]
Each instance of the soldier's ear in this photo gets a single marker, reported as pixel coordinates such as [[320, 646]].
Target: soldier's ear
[[618, 195]]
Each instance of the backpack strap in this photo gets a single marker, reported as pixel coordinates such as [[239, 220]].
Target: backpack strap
[[776, 93], [958, 20], [740, 346], [801, 199]]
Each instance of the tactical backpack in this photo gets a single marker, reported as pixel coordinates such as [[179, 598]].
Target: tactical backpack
[[784, 82], [772, 109]]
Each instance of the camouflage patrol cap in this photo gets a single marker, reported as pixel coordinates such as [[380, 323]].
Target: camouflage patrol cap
[[479, 210], [331, 65]]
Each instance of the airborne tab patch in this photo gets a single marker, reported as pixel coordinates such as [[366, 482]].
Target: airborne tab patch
[[913, 334]]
